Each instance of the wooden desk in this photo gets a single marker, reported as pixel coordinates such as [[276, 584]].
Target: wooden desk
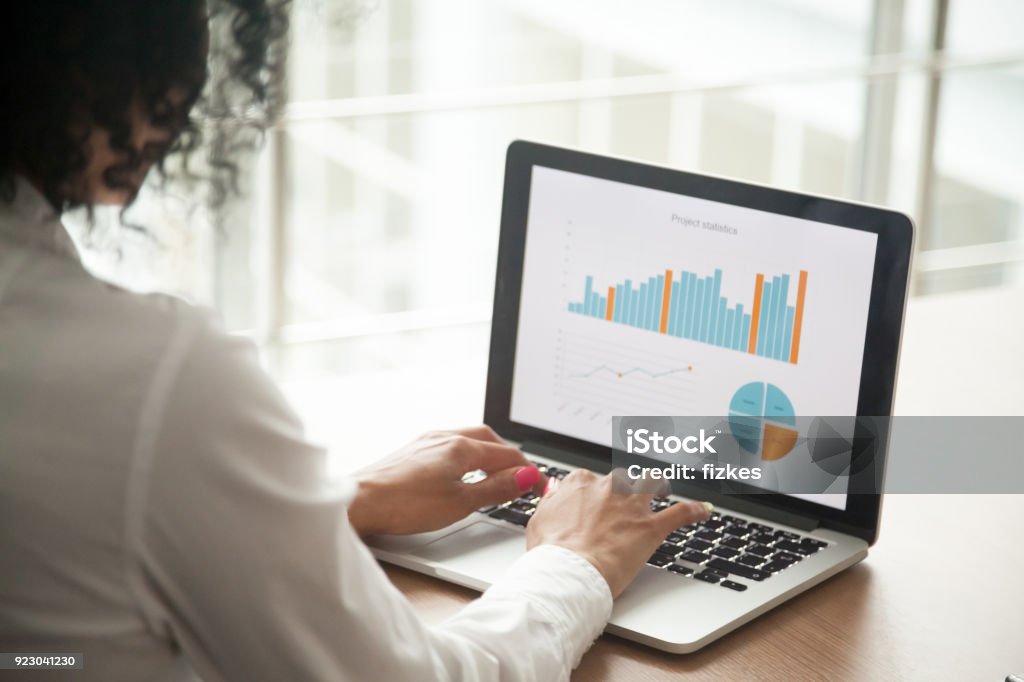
[[914, 609]]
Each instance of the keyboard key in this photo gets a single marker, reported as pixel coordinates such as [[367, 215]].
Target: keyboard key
[[738, 531], [763, 538], [737, 569], [707, 577], [522, 506], [726, 552], [712, 524], [761, 528], [734, 542], [556, 472], [786, 535], [698, 545], [760, 550], [708, 536], [739, 587], [681, 570], [751, 560], [789, 559], [660, 560], [815, 544], [670, 549], [676, 537], [775, 566], [529, 496], [694, 557], [795, 547], [732, 519], [488, 509], [511, 515]]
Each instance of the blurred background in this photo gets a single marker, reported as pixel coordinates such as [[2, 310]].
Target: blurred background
[[362, 257]]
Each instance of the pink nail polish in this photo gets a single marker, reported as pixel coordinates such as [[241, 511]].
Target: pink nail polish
[[527, 477]]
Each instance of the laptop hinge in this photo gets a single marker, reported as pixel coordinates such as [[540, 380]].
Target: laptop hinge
[[745, 505]]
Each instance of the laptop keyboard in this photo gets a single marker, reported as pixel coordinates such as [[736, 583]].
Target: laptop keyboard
[[725, 550]]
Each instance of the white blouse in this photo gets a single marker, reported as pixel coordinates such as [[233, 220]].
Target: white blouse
[[162, 513]]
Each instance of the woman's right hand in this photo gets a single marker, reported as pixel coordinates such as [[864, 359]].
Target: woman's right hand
[[616, 532]]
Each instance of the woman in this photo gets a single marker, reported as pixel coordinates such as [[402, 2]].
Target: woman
[[160, 509]]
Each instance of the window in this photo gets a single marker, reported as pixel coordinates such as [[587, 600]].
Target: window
[[372, 223]]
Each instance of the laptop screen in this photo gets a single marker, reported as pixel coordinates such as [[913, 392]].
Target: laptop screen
[[637, 301]]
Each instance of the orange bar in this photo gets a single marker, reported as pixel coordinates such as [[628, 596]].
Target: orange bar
[[611, 304], [794, 349], [755, 314], [664, 301]]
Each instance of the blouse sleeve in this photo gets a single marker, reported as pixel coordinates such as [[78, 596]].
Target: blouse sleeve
[[241, 554]]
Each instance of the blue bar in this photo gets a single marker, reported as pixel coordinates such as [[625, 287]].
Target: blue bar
[[673, 309], [679, 305], [762, 323], [691, 295], [698, 309], [649, 303], [627, 301], [641, 313], [654, 294], [720, 331], [729, 315], [716, 288], [617, 306], [780, 312], [745, 334], [659, 293], [642, 303], [773, 318], [789, 333], [705, 315], [586, 294], [738, 340], [602, 307]]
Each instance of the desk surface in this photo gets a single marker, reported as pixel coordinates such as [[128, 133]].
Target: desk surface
[[914, 609]]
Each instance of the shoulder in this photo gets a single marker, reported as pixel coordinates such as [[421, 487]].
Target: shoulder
[[90, 330]]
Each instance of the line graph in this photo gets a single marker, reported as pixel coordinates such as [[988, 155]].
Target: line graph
[[633, 370], [587, 384]]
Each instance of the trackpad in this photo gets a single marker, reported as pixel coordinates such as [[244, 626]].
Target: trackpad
[[482, 551]]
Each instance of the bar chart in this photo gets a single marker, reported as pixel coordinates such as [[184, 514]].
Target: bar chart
[[689, 306]]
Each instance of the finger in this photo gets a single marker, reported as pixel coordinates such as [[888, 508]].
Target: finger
[[578, 476], [681, 514], [479, 454], [480, 432], [504, 485]]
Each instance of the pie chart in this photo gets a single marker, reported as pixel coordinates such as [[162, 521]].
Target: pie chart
[[762, 420]]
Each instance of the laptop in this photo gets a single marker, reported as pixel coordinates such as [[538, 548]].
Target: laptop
[[630, 289]]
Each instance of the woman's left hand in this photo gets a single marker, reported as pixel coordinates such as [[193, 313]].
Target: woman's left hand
[[420, 487]]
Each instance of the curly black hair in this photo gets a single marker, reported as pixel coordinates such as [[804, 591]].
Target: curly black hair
[[68, 67]]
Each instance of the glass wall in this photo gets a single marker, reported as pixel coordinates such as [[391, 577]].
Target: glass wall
[[374, 206]]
